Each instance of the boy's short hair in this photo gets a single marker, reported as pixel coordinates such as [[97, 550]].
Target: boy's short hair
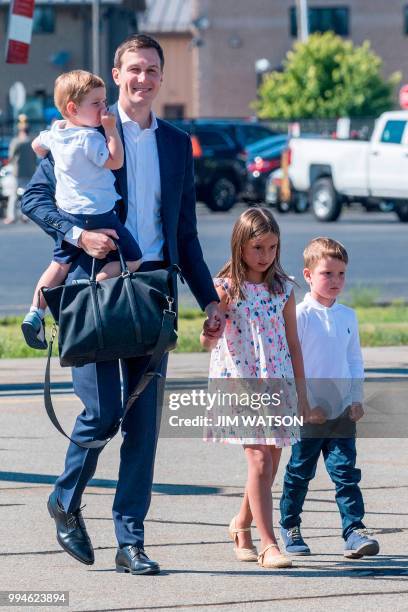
[[134, 42], [73, 86], [321, 248]]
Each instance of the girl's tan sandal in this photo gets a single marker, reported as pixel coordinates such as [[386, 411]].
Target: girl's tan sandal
[[242, 554], [273, 561]]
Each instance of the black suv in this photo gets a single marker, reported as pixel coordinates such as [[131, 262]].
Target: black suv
[[219, 149]]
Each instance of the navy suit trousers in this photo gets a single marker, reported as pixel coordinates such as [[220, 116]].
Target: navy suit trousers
[[98, 387]]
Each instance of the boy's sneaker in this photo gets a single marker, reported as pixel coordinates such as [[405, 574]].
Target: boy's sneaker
[[293, 541], [359, 543], [33, 328]]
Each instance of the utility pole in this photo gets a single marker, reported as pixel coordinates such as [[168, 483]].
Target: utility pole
[[302, 20], [96, 68]]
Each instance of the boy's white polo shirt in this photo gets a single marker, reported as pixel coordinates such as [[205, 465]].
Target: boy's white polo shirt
[[83, 185], [331, 353]]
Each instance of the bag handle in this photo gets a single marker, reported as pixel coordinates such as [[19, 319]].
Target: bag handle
[[123, 265], [148, 374]]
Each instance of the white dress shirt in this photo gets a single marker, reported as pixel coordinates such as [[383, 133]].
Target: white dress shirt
[[331, 353], [144, 189], [143, 182]]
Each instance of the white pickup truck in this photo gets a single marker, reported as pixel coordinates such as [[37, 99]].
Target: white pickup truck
[[337, 172]]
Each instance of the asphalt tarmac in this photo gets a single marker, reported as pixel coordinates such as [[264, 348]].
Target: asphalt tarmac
[[377, 244], [197, 490]]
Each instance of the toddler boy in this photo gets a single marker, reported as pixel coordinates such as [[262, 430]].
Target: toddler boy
[[85, 191]]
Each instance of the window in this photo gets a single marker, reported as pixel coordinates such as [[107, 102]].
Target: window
[[44, 20], [323, 19], [214, 139], [253, 133], [405, 19], [173, 111], [393, 132]]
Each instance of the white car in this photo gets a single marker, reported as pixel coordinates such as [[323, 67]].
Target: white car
[[6, 180], [7, 183], [284, 200], [333, 172]]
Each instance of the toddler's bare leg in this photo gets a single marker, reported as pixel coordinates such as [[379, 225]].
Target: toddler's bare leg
[[53, 276], [112, 269]]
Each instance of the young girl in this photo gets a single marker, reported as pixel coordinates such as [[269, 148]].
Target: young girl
[[259, 342]]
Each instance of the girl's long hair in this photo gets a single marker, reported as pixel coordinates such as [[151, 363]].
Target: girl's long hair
[[253, 223]]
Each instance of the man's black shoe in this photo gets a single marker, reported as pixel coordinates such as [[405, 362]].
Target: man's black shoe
[[71, 531], [133, 559]]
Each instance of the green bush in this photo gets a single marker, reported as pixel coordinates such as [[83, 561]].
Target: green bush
[[327, 77]]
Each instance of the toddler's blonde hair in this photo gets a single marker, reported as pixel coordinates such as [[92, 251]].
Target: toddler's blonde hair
[[73, 86]]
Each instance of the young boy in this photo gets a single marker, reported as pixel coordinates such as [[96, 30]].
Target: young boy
[[85, 192], [328, 333]]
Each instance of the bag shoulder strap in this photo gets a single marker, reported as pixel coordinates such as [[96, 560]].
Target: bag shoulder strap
[[148, 374]]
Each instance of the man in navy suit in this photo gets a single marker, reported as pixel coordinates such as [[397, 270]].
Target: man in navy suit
[[156, 183]]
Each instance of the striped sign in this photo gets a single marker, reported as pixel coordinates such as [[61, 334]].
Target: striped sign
[[19, 31]]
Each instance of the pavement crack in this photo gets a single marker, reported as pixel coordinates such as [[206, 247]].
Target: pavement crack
[[300, 598]]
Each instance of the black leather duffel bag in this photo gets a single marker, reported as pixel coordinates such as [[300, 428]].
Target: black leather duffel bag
[[119, 318]]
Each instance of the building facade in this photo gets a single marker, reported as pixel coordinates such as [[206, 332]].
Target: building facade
[[62, 40], [225, 40], [214, 49]]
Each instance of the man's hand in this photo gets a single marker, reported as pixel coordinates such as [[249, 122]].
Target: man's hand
[[98, 243], [214, 324], [356, 411], [108, 121]]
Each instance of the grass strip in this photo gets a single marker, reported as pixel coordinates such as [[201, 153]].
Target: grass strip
[[379, 326]]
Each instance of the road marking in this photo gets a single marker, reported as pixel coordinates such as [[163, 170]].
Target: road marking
[[34, 398]]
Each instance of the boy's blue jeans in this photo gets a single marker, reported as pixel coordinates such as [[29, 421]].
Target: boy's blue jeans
[[340, 459]]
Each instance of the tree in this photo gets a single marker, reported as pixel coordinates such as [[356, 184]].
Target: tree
[[327, 77]]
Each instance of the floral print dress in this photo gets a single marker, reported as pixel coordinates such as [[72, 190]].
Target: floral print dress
[[254, 346]]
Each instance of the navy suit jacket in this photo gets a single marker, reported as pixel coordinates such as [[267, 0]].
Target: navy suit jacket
[[181, 244]]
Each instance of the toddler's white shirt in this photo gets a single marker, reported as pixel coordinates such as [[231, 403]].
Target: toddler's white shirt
[[83, 186], [331, 353]]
